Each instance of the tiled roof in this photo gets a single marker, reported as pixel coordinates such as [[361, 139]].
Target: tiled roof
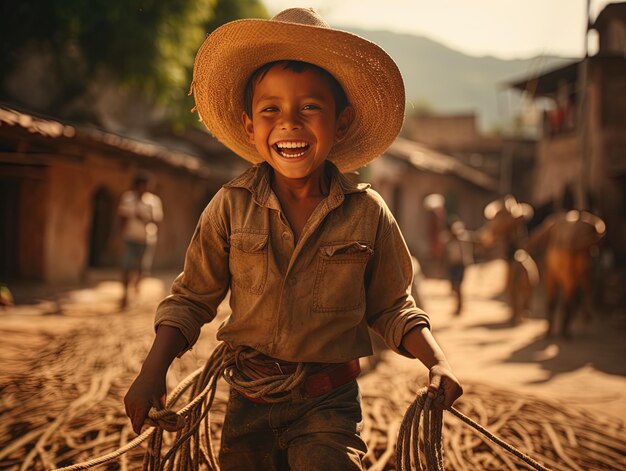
[[424, 158], [546, 83], [55, 129], [43, 127]]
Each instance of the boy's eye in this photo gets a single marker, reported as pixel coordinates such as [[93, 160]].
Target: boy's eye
[[311, 107], [269, 109]]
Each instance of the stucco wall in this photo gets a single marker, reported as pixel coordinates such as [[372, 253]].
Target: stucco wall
[[183, 200], [67, 223], [558, 165]]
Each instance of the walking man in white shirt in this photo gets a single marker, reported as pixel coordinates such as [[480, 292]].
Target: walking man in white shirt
[[140, 212]]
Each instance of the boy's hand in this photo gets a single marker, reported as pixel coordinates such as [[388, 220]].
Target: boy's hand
[[442, 379], [147, 391]]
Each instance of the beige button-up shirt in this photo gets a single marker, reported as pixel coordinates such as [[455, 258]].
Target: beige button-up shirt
[[310, 301]]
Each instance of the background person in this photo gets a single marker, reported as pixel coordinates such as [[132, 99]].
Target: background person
[[458, 254], [140, 211]]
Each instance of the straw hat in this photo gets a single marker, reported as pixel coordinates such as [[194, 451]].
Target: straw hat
[[370, 78], [508, 205]]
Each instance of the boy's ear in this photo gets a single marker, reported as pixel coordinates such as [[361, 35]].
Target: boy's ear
[[344, 121], [248, 126]]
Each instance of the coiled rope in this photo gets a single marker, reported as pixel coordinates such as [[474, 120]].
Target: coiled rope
[[193, 446], [421, 409]]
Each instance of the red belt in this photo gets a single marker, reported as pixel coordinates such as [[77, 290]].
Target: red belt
[[316, 384]]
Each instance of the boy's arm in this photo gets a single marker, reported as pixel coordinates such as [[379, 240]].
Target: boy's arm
[[420, 343], [391, 311], [148, 390]]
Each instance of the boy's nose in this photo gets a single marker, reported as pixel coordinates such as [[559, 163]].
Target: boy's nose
[[290, 121]]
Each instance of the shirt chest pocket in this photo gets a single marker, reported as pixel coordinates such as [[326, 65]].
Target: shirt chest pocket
[[248, 261], [339, 283]]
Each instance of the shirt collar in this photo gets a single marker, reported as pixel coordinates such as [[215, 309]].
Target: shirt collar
[[257, 181]]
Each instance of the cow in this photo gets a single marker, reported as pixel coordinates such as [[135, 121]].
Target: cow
[[568, 240]]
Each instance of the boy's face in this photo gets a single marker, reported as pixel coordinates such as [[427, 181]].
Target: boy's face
[[293, 124]]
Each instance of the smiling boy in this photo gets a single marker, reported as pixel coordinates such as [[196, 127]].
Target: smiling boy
[[313, 260], [293, 121]]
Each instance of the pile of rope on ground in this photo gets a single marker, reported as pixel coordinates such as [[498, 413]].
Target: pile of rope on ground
[[60, 393], [61, 404], [561, 437]]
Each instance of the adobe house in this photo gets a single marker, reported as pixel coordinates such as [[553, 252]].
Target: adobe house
[[408, 172], [508, 160], [60, 185], [583, 143]]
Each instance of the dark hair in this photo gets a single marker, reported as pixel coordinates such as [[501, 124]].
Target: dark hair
[[341, 99], [141, 178]]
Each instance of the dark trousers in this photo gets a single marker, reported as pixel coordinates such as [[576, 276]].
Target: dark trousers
[[312, 434]]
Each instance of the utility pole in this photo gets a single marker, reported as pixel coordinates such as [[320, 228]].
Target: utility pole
[[583, 110]]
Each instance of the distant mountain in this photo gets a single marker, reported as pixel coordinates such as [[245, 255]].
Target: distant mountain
[[450, 81]]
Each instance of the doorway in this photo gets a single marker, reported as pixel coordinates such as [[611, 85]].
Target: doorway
[[101, 223], [9, 215]]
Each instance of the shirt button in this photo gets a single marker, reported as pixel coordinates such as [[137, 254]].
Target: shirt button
[[286, 235], [292, 280]]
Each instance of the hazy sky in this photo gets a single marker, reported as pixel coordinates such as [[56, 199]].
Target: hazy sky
[[502, 28]]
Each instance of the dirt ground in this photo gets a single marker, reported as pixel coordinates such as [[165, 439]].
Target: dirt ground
[[587, 371]]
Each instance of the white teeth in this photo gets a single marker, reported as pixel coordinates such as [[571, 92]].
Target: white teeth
[[290, 145], [291, 156]]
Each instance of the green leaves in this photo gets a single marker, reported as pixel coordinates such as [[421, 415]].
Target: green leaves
[[147, 45]]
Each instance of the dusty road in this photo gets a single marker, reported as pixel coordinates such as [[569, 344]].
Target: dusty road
[[589, 369], [66, 365]]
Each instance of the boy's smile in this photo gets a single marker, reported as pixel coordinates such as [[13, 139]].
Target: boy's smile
[[294, 124], [290, 149]]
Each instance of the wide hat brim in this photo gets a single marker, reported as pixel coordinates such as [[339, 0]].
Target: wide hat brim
[[369, 76]]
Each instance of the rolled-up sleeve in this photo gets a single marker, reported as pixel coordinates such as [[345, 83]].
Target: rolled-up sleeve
[[200, 288], [391, 310]]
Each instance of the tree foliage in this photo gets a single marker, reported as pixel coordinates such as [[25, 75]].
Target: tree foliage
[[148, 45]]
